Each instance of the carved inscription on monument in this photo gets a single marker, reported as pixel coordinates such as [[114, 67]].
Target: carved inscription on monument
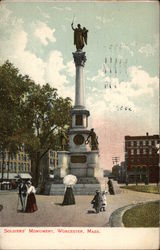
[[78, 139], [78, 159]]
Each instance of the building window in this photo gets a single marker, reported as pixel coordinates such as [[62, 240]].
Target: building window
[[10, 166], [51, 153], [144, 143], [138, 151], [150, 143], [138, 143], [138, 159], [132, 143], [144, 151], [132, 151], [150, 151]]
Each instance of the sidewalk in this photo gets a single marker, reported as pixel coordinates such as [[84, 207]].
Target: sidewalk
[[51, 214]]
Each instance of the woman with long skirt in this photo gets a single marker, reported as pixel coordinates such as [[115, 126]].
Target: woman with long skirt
[[31, 205], [68, 197]]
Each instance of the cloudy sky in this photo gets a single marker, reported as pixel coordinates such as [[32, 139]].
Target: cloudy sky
[[121, 72]]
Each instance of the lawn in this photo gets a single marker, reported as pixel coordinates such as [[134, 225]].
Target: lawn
[[144, 188], [146, 215]]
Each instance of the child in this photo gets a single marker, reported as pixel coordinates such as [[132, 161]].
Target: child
[[104, 201]]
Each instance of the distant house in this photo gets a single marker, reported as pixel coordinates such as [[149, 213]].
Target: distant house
[[106, 173], [119, 172]]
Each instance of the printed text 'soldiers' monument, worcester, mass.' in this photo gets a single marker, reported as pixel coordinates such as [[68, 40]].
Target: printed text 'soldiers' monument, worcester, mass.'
[[82, 157]]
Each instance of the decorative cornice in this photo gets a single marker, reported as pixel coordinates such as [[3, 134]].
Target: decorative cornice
[[79, 58], [80, 111]]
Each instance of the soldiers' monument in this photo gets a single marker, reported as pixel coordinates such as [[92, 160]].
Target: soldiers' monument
[[82, 158]]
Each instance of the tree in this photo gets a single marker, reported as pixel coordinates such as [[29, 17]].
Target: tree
[[31, 115], [13, 88], [45, 113]]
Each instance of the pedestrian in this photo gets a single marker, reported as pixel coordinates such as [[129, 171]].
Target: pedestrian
[[111, 189], [104, 201], [22, 194], [97, 201], [31, 205], [68, 197]]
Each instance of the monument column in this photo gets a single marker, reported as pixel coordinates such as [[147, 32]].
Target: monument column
[[79, 60]]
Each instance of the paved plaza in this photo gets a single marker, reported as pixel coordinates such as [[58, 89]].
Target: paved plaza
[[51, 214]]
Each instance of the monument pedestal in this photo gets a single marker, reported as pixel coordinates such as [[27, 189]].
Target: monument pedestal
[[63, 161]]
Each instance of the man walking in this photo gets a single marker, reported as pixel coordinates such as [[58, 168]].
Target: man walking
[[23, 194]]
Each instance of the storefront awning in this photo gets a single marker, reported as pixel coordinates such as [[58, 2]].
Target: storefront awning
[[14, 176], [24, 176], [10, 176]]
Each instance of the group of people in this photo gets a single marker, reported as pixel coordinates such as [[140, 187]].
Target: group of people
[[99, 201], [27, 197]]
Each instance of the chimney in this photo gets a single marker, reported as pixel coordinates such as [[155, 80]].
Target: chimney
[[147, 134]]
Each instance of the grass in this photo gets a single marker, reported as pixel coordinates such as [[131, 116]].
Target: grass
[[144, 188], [146, 215]]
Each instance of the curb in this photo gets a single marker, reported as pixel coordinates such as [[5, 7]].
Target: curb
[[115, 220]]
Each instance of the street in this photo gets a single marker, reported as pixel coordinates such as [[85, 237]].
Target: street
[[51, 214]]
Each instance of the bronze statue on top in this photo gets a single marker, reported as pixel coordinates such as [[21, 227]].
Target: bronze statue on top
[[80, 36]]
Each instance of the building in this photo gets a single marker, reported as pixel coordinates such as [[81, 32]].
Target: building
[[14, 166], [107, 173], [48, 163], [119, 172], [142, 158], [115, 171]]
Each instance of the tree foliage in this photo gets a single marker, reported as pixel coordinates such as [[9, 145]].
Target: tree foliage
[[13, 87], [30, 114], [45, 113]]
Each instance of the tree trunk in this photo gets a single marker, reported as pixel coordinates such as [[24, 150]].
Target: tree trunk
[[2, 166], [35, 170]]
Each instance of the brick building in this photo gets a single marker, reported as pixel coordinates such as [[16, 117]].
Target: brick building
[[142, 158]]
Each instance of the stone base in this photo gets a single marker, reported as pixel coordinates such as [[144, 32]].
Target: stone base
[[84, 186]]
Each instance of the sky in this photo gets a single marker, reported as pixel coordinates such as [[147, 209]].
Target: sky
[[122, 68]]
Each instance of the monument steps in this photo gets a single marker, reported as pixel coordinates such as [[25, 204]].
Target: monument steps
[[78, 189]]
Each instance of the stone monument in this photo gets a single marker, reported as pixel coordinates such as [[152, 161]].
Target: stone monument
[[82, 158]]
